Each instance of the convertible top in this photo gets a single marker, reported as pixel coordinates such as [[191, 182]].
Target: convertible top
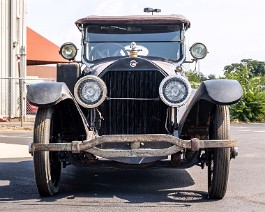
[[132, 20]]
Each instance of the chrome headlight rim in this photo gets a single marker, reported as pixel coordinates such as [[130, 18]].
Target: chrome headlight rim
[[193, 52], [67, 46], [165, 82], [79, 85]]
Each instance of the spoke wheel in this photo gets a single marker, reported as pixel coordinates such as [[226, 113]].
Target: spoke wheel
[[47, 167], [219, 158]]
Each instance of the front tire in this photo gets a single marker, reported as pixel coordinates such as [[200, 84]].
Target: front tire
[[47, 167], [219, 158]]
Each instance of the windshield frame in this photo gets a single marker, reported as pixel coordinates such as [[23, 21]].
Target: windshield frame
[[181, 29]]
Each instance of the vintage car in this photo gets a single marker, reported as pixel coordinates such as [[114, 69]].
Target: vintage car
[[128, 104]]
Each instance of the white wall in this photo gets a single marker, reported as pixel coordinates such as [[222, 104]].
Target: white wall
[[12, 62]]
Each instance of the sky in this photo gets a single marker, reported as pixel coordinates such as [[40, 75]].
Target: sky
[[232, 30]]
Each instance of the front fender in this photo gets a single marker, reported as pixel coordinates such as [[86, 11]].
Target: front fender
[[195, 116], [221, 91], [48, 93]]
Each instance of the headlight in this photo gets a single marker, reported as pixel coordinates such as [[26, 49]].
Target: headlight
[[174, 90], [68, 51], [90, 91], [198, 51]]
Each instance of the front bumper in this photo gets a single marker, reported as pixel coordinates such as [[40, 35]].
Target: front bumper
[[90, 146]]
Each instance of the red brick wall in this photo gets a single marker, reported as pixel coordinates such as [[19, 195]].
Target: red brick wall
[[42, 71]]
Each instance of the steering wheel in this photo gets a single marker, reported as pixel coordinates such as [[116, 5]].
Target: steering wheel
[[104, 50]]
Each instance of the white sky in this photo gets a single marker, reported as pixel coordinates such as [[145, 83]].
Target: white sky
[[231, 29]]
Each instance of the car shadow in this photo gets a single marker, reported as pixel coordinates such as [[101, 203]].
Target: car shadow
[[130, 186]]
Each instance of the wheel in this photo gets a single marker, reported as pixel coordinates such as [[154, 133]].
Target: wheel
[[219, 158], [105, 50], [47, 167]]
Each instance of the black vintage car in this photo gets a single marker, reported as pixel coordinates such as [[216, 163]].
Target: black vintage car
[[128, 104]]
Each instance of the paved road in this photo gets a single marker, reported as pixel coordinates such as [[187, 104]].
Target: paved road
[[84, 189]]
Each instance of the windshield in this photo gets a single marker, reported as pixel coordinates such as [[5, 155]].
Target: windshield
[[114, 41]]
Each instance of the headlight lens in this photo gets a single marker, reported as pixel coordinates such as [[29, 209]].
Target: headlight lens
[[68, 51], [198, 51], [174, 90], [90, 91]]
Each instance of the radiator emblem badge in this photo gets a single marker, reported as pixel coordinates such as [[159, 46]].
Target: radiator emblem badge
[[133, 63]]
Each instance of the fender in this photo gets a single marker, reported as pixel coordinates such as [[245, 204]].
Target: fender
[[222, 91], [198, 111], [48, 93]]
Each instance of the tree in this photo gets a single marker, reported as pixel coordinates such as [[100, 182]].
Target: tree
[[196, 78], [262, 81], [211, 76], [255, 67], [251, 107]]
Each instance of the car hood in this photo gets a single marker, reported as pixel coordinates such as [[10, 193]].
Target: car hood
[[132, 63]]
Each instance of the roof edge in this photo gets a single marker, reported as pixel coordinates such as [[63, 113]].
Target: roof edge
[[135, 19]]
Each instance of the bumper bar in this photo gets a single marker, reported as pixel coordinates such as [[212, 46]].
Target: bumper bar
[[90, 145]]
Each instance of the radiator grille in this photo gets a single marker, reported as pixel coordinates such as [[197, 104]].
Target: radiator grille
[[123, 116]]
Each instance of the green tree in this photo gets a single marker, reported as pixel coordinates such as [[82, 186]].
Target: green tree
[[251, 107], [262, 81], [196, 78], [211, 76], [255, 67]]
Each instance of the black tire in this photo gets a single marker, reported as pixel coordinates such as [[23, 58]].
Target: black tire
[[47, 167], [219, 158]]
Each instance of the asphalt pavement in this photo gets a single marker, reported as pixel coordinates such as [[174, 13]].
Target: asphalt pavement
[[86, 189]]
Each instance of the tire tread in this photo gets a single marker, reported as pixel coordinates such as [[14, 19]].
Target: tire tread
[[221, 130], [41, 159]]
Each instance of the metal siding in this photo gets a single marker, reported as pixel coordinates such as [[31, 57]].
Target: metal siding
[[12, 38], [5, 39], [4, 55]]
